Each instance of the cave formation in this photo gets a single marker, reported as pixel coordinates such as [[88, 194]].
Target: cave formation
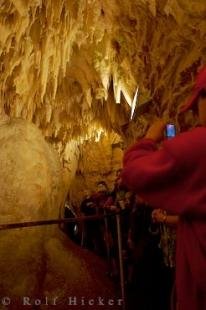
[[69, 71]]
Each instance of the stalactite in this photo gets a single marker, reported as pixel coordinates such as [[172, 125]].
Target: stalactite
[[48, 47]]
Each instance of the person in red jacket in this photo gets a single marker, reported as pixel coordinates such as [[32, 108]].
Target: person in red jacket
[[173, 178]]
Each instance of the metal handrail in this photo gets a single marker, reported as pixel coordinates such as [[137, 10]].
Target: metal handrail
[[80, 219], [56, 221]]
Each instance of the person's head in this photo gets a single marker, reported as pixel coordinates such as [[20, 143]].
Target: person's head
[[128, 197], [197, 101], [102, 186], [87, 193], [118, 173], [118, 179], [118, 182]]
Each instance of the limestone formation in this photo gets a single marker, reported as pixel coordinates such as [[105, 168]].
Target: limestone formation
[[63, 63], [72, 67], [99, 160], [38, 261]]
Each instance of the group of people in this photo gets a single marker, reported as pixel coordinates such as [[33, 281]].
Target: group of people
[[161, 194], [148, 242]]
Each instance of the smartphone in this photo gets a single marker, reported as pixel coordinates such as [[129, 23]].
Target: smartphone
[[170, 131]]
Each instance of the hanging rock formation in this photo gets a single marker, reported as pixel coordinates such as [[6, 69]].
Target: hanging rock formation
[[64, 62]]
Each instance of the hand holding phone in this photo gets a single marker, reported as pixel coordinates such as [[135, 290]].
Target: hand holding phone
[[156, 131]]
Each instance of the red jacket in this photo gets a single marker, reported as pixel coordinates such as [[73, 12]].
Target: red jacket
[[174, 178]]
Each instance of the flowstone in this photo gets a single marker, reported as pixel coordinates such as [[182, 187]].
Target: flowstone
[[38, 262]]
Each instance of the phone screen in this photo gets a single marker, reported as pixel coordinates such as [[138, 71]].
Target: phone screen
[[170, 131]]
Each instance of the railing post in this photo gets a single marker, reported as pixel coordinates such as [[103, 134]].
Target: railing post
[[121, 265], [107, 239], [82, 233]]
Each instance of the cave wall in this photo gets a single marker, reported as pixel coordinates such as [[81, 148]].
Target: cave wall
[[64, 63], [98, 161], [31, 188], [40, 261]]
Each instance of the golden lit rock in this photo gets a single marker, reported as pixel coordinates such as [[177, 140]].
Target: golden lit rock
[[39, 261], [60, 58], [71, 68]]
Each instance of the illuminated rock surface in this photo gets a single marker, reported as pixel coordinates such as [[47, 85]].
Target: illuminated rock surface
[[63, 66], [60, 60], [37, 261]]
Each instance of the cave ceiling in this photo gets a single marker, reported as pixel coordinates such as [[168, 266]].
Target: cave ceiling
[[63, 63]]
